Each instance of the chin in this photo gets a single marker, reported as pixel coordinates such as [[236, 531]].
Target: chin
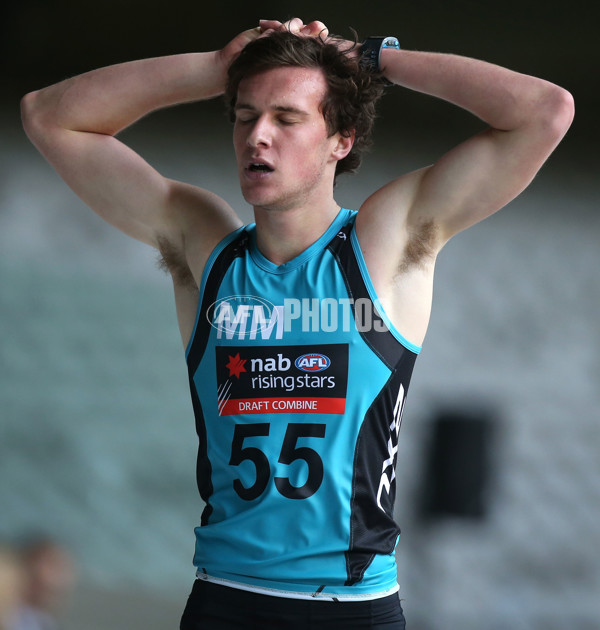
[[256, 199]]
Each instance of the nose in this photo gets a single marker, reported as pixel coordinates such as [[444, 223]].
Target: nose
[[260, 134]]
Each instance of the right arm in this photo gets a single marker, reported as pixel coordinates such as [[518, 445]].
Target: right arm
[[74, 123]]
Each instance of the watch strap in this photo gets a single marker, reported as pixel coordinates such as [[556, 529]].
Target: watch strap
[[371, 52]]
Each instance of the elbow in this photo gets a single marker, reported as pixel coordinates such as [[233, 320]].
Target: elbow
[[30, 114], [37, 115], [557, 111], [564, 109]]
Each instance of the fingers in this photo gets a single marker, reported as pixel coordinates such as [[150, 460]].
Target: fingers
[[315, 29], [294, 26], [297, 27], [269, 25]]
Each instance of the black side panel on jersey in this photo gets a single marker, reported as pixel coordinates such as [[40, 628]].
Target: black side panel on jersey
[[373, 529], [378, 337], [203, 468]]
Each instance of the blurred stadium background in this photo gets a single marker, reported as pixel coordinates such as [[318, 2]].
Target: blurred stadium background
[[97, 443]]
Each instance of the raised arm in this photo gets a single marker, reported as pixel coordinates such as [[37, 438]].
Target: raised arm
[[527, 118], [403, 226], [74, 123]]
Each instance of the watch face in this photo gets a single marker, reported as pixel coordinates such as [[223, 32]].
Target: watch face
[[390, 42]]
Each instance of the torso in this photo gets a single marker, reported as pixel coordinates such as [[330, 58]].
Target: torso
[[252, 362]]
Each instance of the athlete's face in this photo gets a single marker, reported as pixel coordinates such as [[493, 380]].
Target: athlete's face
[[284, 154]]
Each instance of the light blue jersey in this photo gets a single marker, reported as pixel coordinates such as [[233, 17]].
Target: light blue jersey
[[298, 382]]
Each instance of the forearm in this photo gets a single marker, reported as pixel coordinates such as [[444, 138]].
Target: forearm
[[504, 99], [111, 98]]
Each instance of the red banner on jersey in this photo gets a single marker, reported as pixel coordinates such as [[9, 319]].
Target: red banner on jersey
[[282, 405]]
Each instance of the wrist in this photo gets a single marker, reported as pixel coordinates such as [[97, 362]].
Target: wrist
[[209, 73], [371, 50]]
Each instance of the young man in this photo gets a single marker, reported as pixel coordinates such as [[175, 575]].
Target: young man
[[301, 330]]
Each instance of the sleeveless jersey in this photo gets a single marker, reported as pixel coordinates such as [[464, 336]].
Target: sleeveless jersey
[[298, 382]]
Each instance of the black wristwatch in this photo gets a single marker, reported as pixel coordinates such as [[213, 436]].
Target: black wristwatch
[[371, 52]]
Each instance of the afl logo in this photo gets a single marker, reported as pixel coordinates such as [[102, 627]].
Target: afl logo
[[312, 362]]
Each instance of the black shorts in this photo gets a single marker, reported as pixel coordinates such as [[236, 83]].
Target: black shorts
[[215, 607]]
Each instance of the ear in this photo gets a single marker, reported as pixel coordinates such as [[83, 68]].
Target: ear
[[342, 146]]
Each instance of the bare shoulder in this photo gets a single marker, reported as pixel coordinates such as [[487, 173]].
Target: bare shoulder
[[196, 221], [199, 220], [394, 239], [400, 248]]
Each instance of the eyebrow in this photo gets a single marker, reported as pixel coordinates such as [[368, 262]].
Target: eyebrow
[[277, 108]]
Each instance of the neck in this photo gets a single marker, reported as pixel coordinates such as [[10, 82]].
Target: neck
[[281, 235]]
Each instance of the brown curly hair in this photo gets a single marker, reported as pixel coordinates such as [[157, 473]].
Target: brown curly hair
[[353, 91]]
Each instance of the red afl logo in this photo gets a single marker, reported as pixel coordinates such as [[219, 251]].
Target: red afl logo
[[312, 362]]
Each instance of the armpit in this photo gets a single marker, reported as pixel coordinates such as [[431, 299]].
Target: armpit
[[420, 247], [172, 260]]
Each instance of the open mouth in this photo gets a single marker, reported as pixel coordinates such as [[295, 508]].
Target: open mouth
[[260, 167]]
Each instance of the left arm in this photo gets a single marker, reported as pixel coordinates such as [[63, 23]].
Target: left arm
[[527, 118]]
